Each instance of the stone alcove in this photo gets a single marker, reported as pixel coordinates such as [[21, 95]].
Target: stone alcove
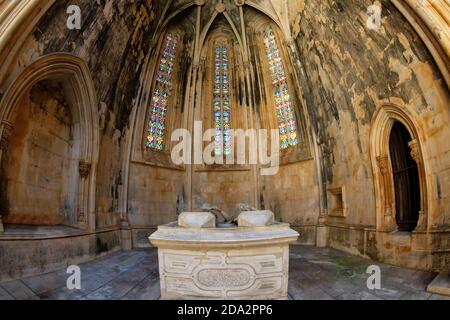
[[49, 125]]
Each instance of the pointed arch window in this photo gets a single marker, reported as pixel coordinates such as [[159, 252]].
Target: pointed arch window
[[222, 101], [284, 107], [161, 94]]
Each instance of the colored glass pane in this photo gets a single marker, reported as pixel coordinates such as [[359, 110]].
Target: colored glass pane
[[283, 103], [161, 94]]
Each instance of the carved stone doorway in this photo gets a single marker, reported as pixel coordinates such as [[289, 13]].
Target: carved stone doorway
[[406, 179]]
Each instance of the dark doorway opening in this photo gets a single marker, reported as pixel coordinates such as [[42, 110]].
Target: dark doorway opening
[[406, 179]]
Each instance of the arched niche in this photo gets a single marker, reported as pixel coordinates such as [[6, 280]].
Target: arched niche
[[51, 107], [385, 119]]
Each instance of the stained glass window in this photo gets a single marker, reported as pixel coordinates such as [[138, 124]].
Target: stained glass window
[[161, 94], [222, 101], [284, 107]]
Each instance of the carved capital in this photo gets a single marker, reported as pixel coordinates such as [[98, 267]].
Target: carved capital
[[383, 164], [415, 152], [239, 3], [289, 43], [220, 7], [7, 131], [200, 2], [85, 169]]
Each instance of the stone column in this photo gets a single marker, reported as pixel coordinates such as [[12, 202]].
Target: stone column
[[415, 154], [322, 230], [7, 128], [388, 223], [85, 170]]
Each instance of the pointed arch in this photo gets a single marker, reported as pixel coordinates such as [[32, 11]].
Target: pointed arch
[[384, 119], [75, 75], [207, 28]]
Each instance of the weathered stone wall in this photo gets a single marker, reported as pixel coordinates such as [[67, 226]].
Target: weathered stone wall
[[29, 256], [349, 71], [224, 190], [113, 41], [35, 179], [293, 196], [156, 195]]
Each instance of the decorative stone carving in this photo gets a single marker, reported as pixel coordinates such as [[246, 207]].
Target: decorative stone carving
[[200, 2], [422, 222], [221, 216], [85, 169], [415, 152], [388, 223], [289, 43], [239, 3], [383, 164], [224, 278], [220, 7], [236, 263], [7, 131], [197, 220]]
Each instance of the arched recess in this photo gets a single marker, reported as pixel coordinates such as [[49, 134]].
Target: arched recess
[[384, 119], [79, 91]]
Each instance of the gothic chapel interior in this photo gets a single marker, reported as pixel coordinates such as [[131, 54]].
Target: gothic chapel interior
[[87, 117]]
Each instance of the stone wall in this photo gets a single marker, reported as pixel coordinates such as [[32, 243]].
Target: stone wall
[[114, 40], [29, 256], [348, 72], [293, 196], [35, 181], [341, 75]]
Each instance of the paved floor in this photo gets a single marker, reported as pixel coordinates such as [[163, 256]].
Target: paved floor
[[315, 274]]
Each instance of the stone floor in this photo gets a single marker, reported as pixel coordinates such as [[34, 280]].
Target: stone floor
[[315, 274]]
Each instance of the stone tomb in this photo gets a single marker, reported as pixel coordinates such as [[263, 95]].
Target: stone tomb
[[238, 263]]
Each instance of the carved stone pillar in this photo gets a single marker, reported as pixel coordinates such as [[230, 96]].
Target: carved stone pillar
[[126, 235], [85, 170], [415, 154], [6, 133], [388, 223], [322, 230]]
